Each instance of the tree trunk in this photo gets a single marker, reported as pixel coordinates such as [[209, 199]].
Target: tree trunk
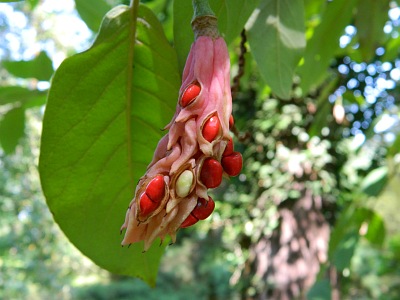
[[286, 263]]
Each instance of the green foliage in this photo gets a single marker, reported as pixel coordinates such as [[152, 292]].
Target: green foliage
[[36, 259], [370, 18], [40, 67], [21, 96], [375, 181], [232, 16], [283, 23], [105, 110], [320, 291], [92, 12], [323, 44], [12, 129]]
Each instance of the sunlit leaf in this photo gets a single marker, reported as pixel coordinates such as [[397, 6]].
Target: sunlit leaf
[[277, 40], [375, 181], [40, 67], [324, 43], [376, 230], [102, 123], [33, 3], [92, 12], [12, 129], [370, 18]]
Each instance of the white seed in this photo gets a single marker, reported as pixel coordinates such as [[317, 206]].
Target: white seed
[[184, 183]]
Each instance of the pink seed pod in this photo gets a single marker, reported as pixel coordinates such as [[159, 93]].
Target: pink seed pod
[[196, 150]]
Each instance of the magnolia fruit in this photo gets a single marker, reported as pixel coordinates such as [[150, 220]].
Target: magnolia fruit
[[196, 151]]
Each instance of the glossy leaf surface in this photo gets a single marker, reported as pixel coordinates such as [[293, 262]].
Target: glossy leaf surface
[[105, 110]]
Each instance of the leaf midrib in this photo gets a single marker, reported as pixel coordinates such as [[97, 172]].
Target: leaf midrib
[[134, 7]]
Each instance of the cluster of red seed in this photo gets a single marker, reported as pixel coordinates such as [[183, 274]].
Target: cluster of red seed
[[193, 156], [211, 172]]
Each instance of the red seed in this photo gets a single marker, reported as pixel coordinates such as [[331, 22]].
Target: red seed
[[146, 205], [211, 128], [211, 173], [190, 94], [190, 220], [232, 164], [156, 189], [203, 208], [229, 148], [231, 122]]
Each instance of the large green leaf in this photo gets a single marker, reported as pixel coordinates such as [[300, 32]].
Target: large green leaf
[[105, 109], [370, 18], [12, 129], [324, 43], [92, 12], [40, 67], [277, 40], [232, 16]]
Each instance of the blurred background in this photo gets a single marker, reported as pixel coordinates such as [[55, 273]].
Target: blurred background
[[317, 168]]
